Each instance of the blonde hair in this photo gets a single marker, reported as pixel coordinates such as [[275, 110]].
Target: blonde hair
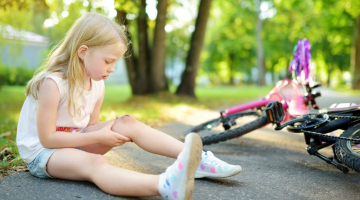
[[93, 30]]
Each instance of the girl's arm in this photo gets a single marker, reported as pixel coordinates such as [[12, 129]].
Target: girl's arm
[[48, 103]]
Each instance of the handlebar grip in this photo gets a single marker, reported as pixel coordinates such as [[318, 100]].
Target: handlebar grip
[[316, 94], [315, 85]]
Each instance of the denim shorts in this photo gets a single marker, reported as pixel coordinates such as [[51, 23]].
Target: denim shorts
[[38, 166]]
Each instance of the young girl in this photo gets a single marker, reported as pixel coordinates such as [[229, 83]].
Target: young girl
[[60, 136]]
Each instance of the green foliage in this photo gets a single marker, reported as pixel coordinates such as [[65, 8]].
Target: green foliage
[[230, 41], [57, 7], [127, 6], [17, 14], [230, 47], [15, 75], [352, 7]]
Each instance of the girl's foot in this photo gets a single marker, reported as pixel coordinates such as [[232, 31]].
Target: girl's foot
[[177, 182], [212, 167]]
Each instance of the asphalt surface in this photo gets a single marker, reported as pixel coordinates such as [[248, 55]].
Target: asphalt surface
[[275, 166]]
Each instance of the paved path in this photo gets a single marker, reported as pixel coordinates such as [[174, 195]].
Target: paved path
[[276, 166]]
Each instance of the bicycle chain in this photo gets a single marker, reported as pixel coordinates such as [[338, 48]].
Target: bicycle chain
[[331, 136]]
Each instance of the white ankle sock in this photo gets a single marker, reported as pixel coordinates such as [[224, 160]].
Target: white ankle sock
[[164, 189]]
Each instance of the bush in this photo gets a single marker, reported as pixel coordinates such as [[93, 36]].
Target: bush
[[15, 75], [2, 75]]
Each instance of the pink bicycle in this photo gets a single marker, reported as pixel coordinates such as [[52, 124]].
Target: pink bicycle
[[295, 95]]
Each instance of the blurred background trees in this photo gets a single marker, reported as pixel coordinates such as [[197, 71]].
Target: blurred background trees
[[175, 43]]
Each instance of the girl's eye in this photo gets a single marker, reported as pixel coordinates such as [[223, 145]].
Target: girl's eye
[[107, 62]]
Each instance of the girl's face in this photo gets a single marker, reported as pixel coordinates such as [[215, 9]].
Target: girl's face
[[100, 62]]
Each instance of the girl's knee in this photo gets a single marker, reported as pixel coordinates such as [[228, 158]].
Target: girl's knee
[[126, 119], [100, 160], [127, 126], [97, 164]]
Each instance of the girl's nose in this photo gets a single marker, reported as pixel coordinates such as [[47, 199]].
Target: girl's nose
[[111, 69]]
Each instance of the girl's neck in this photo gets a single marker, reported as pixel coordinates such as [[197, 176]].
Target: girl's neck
[[87, 85]]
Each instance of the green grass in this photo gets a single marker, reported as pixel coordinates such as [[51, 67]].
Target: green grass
[[152, 110], [156, 109], [220, 96], [11, 101]]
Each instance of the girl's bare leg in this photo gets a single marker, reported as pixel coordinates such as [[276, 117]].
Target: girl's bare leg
[[73, 164], [147, 138]]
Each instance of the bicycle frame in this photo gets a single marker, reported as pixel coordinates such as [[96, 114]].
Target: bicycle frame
[[309, 126], [289, 92], [295, 95]]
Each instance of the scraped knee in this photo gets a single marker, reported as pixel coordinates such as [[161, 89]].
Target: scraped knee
[[126, 119]]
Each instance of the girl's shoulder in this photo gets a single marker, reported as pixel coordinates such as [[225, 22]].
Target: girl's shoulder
[[61, 83], [56, 76]]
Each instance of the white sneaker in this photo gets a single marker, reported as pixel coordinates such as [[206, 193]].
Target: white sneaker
[[177, 182], [212, 167]]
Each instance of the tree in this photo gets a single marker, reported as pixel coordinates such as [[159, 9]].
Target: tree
[[19, 15], [330, 45], [141, 85], [355, 57], [62, 15], [230, 45], [157, 72], [17, 4], [187, 85], [353, 8], [260, 48], [146, 68], [335, 28]]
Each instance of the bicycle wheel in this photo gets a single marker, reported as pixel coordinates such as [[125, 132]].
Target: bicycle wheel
[[348, 152], [213, 131]]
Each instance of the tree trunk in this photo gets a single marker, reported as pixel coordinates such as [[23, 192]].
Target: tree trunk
[[231, 68], [157, 71], [138, 68], [141, 86], [355, 57], [187, 85], [329, 71], [130, 59], [260, 48]]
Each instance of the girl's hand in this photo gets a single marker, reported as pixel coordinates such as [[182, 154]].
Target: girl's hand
[[111, 138]]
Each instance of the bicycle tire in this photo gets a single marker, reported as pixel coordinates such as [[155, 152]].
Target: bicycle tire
[[344, 150], [217, 121], [236, 132]]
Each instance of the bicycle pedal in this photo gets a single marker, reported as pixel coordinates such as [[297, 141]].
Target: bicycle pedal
[[274, 112], [228, 124]]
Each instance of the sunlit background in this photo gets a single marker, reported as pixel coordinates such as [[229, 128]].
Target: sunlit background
[[231, 48]]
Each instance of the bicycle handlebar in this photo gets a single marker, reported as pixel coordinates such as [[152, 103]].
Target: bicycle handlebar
[[310, 97]]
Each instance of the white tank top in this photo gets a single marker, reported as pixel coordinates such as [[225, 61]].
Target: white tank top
[[27, 138]]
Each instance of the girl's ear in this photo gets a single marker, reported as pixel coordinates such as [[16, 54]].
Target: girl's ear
[[82, 51]]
